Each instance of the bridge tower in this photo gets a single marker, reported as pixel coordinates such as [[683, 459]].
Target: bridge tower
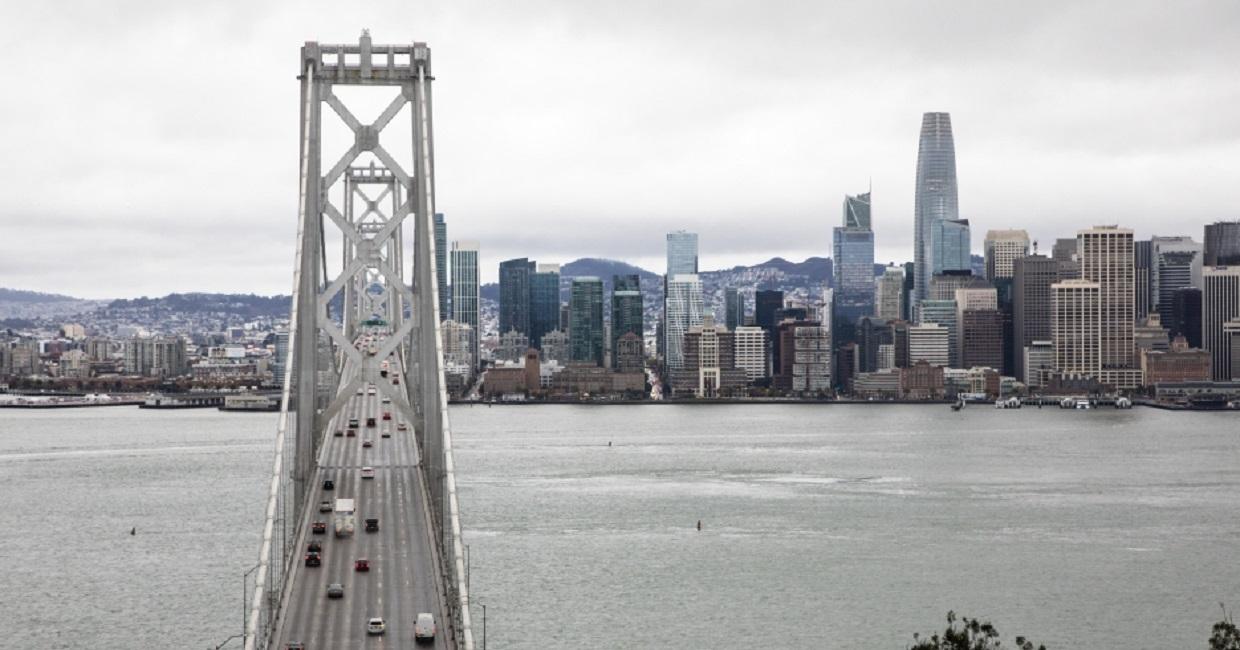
[[356, 212]]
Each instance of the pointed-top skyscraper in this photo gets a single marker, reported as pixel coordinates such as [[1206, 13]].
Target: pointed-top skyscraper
[[936, 198]]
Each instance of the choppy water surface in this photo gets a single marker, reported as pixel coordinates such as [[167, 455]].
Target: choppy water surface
[[847, 526], [823, 526]]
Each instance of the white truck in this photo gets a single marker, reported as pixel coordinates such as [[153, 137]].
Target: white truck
[[344, 517]]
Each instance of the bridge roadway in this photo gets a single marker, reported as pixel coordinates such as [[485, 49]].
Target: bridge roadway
[[402, 577]]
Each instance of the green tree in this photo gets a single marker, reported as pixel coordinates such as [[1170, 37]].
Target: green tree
[[1226, 636], [971, 635]]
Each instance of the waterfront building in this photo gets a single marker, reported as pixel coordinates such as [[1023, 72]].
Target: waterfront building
[[1149, 334], [929, 343], [465, 287], [441, 266], [626, 311], [629, 353], [544, 302], [1076, 327], [156, 357], [805, 357], [514, 295], [1106, 257], [1032, 277], [1038, 362], [585, 332], [512, 346], [922, 380], [942, 312], [750, 351], [879, 384], [684, 310], [1222, 244], [936, 197], [1142, 266], [1002, 249], [556, 347], [890, 294], [1220, 303], [709, 368], [1178, 364], [950, 246], [734, 308]]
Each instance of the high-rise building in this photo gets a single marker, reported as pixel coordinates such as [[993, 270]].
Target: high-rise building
[[1002, 249], [854, 272], [734, 308], [936, 196], [981, 338], [805, 356], [890, 294], [942, 312], [767, 303], [1065, 252], [544, 302], [709, 367], [1143, 264], [1038, 361], [1222, 244], [944, 285], [908, 292], [514, 295], [682, 253], [1076, 326], [1220, 304], [683, 309], [626, 310], [750, 351], [929, 342], [950, 246], [1031, 303], [464, 263], [857, 211], [458, 341], [441, 265], [557, 347], [872, 334], [1106, 257], [1176, 263], [586, 314], [1186, 315]]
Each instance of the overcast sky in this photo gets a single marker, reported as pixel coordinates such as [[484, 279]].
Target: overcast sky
[[151, 146]]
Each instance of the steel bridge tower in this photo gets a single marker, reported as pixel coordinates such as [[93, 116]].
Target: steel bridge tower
[[359, 209]]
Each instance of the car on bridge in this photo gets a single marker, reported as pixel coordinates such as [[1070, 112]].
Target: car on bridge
[[315, 546], [368, 472], [328, 484], [352, 423], [370, 422], [375, 626], [372, 525], [362, 564], [387, 415], [367, 444], [352, 433], [401, 426], [325, 506], [295, 645], [319, 528], [314, 559], [335, 590], [424, 628], [339, 433], [386, 434]]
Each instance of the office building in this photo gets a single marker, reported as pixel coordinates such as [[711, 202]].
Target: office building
[[1002, 249], [683, 308], [629, 353], [512, 347], [458, 344], [1186, 315], [907, 302], [929, 343], [709, 368], [942, 312], [1065, 253], [1175, 263], [750, 351], [872, 334], [950, 246], [585, 332], [854, 272], [1038, 362], [944, 285], [464, 263], [514, 295], [1105, 254], [441, 266], [734, 308], [1220, 304], [767, 303], [981, 338], [626, 310], [889, 297], [156, 357], [682, 253], [556, 346], [805, 357], [1222, 244], [857, 211], [1178, 364], [1076, 327], [1032, 278], [1142, 266], [544, 302], [935, 197]]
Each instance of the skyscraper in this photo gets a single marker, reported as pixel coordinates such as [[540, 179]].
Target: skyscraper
[[890, 295], [936, 196], [441, 265], [1175, 263], [544, 302], [585, 331], [682, 253], [1002, 249], [626, 310], [854, 272], [1186, 315], [1106, 258], [1220, 304], [857, 211], [1143, 263], [1222, 244], [950, 247], [514, 295], [683, 310], [733, 308], [1076, 326], [1032, 279], [942, 312], [464, 262]]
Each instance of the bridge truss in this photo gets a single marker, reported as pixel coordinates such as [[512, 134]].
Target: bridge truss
[[367, 207]]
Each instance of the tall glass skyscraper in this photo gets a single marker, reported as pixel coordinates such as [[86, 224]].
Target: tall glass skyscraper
[[683, 309], [682, 253], [734, 308], [854, 272], [464, 260], [626, 310], [586, 320], [514, 295], [1222, 244], [936, 195], [857, 211], [544, 302], [949, 247], [441, 264]]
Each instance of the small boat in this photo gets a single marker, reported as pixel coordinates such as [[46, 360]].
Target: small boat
[[959, 404]]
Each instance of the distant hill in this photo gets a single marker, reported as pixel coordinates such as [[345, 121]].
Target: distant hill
[[27, 305], [245, 305], [605, 269], [22, 296]]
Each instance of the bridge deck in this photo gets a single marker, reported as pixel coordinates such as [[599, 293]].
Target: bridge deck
[[401, 581]]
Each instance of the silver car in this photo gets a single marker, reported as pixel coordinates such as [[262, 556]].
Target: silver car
[[375, 626], [424, 628]]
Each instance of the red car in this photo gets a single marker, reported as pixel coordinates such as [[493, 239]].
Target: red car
[[352, 433], [318, 527], [361, 565], [395, 381], [387, 415]]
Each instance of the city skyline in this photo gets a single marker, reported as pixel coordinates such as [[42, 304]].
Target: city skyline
[[523, 169]]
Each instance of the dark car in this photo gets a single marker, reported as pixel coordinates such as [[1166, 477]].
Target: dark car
[[328, 484], [295, 646], [314, 559], [361, 565], [339, 433], [352, 433], [372, 525], [335, 590], [315, 546], [318, 527], [370, 422]]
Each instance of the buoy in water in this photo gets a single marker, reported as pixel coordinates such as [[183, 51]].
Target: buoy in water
[[133, 531], [699, 524]]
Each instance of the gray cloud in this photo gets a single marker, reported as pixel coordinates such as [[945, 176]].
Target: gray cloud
[[152, 146]]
